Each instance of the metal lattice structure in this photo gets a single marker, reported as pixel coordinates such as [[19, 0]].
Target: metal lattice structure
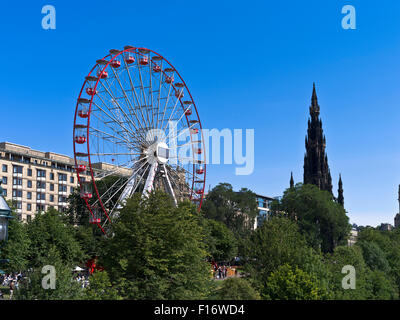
[[136, 129]]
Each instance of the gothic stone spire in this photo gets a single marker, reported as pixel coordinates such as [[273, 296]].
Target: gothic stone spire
[[340, 197], [291, 180], [316, 169]]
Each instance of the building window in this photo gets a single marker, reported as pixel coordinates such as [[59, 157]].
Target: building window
[[28, 218], [41, 173], [71, 189], [17, 169], [51, 187], [17, 193], [19, 205], [51, 176], [40, 207], [17, 181], [29, 195], [62, 199], [28, 207], [62, 188], [4, 168], [4, 180], [5, 192], [62, 177], [29, 183], [41, 196], [72, 179], [41, 185], [30, 172], [51, 198]]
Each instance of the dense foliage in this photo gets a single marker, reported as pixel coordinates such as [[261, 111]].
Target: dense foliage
[[160, 251]]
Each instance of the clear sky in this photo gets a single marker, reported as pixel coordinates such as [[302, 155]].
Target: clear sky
[[248, 64]]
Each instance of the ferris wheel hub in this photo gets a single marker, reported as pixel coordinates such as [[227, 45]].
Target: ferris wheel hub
[[157, 152]]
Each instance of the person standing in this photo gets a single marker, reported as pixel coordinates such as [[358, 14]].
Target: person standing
[[11, 288]]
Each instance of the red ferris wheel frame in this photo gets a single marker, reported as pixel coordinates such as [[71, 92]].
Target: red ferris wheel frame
[[112, 57]]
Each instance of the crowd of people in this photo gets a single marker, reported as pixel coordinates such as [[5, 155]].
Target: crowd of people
[[11, 281], [82, 279], [222, 271]]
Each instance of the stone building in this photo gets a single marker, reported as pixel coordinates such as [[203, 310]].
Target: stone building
[[36, 180]]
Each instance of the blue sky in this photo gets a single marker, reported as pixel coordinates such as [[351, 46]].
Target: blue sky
[[247, 64]]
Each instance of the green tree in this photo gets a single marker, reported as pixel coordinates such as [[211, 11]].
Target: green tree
[[374, 256], [158, 250], [236, 209], [292, 283], [16, 249], [277, 242], [348, 256], [381, 286], [236, 289], [100, 288], [66, 288], [50, 230], [220, 241], [322, 220]]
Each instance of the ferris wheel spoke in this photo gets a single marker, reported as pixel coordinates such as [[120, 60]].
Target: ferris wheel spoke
[[172, 112], [103, 121], [119, 188], [117, 205], [130, 107], [115, 154], [117, 139], [168, 137], [119, 107], [165, 106], [134, 92], [169, 186], [186, 171], [159, 95], [130, 132], [151, 94], [123, 166], [142, 87]]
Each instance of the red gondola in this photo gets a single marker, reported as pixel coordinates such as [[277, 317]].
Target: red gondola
[[179, 94], [83, 113], [143, 61], [130, 59], [90, 91], [115, 64], [102, 75], [80, 168], [169, 80], [80, 139]]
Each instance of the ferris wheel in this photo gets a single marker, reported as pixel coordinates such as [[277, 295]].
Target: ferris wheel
[[136, 129]]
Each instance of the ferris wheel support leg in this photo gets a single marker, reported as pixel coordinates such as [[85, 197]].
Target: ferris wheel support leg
[[127, 191], [169, 186], [149, 186]]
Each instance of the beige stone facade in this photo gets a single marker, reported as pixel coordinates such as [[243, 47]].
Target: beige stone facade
[[36, 180]]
